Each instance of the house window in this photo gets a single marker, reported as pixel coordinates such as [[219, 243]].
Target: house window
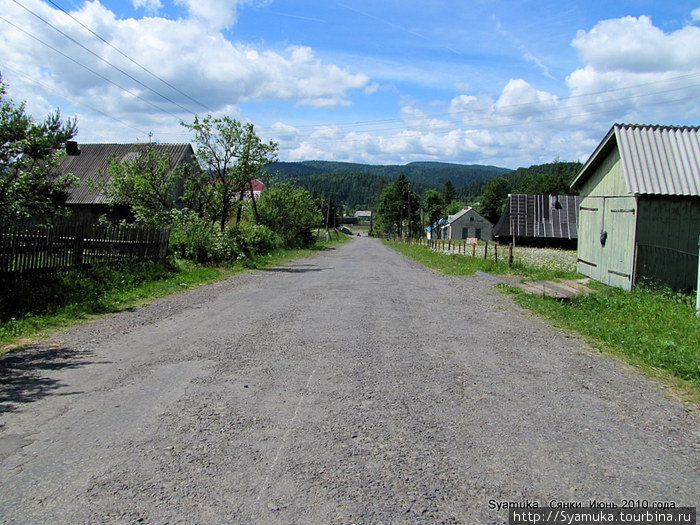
[[477, 233], [465, 233], [471, 218]]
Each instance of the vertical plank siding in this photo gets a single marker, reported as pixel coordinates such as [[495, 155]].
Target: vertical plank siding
[[67, 245]]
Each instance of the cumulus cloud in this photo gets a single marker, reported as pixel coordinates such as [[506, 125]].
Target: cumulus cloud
[[635, 45], [188, 53]]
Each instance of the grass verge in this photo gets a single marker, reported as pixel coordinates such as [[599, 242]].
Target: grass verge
[[453, 264], [82, 295], [655, 330]]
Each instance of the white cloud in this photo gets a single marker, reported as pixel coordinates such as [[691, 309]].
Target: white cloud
[[215, 13], [187, 53], [695, 14], [635, 45], [150, 6]]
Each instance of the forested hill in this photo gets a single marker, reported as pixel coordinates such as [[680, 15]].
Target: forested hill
[[357, 185]]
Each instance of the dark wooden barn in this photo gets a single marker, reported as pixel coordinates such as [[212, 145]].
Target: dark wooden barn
[[90, 163], [539, 220]]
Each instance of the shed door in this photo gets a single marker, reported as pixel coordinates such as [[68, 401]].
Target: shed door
[[618, 253], [590, 224], [606, 239]]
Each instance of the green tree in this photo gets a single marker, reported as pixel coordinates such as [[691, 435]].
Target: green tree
[[449, 193], [150, 183], [433, 207], [30, 182], [455, 206], [231, 154], [494, 198], [291, 212], [398, 209]]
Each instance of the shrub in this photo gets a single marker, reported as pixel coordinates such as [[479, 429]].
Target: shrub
[[194, 238], [258, 239]]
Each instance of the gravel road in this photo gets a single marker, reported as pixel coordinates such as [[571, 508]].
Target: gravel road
[[354, 386]]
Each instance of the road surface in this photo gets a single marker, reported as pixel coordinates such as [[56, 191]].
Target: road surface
[[355, 386]]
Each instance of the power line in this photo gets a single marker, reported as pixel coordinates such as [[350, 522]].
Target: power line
[[519, 105], [51, 90], [131, 59], [493, 126], [101, 58], [89, 69]]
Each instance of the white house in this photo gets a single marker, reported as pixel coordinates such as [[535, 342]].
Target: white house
[[467, 223]]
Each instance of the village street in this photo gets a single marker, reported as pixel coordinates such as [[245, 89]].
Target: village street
[[354, 386]]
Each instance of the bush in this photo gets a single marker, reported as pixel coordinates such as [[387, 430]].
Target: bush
[[196, 239], [258, 239], [291, 213]]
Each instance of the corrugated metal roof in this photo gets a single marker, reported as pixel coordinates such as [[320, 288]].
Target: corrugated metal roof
[[656, 160], [660, 160], [540, 216], [92, 166]]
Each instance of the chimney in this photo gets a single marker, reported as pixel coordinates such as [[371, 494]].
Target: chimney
[[72, 148]]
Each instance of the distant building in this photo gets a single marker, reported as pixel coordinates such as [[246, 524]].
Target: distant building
[[539, 220], [258, 187], [467, 223], [363, 215], [90, 163], [640, 213]]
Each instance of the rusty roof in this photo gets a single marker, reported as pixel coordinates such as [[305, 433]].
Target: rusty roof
[[91, 166], [656, 160]]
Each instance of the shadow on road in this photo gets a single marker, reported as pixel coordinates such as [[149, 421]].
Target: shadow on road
[[295, 270], [24, 373]]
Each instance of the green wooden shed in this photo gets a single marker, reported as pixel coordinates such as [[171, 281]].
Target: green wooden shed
[[639, 217]]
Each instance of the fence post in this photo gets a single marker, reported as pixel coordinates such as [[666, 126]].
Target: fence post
[[486, 249], [510, 255], [495, 251], [78, 245], [474, 250]]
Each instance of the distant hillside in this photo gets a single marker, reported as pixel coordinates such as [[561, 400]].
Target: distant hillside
[[553, 177], [357, 185]]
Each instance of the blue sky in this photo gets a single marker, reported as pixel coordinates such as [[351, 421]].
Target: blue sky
[[508, 83]]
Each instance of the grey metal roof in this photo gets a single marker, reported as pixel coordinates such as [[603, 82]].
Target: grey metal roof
[[539, 216], [91, 166], [656, 160]]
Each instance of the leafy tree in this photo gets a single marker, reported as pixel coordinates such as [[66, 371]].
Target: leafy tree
[[149, 184], [231, 153], [494, 198], [290, 212], [30, 151], [456, 206], [398, 209]]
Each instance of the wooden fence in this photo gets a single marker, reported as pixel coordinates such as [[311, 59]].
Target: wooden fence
[[67, 245], [465, 247]]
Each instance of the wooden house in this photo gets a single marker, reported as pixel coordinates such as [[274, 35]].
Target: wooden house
[[90, 163], [467, 223], [539, 220], [640, 210]]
